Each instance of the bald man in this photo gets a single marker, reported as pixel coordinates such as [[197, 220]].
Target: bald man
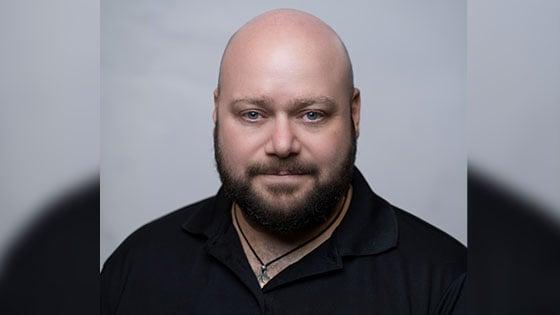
[[295, 228]]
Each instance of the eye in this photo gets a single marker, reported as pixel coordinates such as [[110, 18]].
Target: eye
[[313, 116], [252, 115]]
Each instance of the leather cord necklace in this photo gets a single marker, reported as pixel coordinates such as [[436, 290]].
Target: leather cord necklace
[[263, 276]]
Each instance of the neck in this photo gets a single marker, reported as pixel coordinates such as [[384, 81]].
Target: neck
[[270, 245]]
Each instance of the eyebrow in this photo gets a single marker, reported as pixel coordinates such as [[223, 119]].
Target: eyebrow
[[261, 101], [295, 104]]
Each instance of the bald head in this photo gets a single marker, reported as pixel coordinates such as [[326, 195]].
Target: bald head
[[284, 43]]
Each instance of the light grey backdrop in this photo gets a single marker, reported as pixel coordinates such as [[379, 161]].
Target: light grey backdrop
[[49, 106], [159, 67]]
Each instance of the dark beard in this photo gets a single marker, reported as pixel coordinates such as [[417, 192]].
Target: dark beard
[[314, 210]]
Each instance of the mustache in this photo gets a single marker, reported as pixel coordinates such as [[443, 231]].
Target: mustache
[[275, 167]]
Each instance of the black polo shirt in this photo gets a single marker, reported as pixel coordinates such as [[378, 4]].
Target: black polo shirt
[[379, 260]]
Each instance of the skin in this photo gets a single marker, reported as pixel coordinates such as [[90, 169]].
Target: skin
[[285, 91]]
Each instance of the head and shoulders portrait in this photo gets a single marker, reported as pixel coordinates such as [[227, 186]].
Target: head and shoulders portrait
[[299, 137]]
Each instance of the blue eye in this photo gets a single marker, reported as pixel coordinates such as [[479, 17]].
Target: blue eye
[[313, 116], [252, 115]]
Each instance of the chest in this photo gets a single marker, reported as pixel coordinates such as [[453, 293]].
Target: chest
[[210, 287]]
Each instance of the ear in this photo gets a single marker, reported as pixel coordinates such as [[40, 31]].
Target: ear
[[356, 104], [214, 111]]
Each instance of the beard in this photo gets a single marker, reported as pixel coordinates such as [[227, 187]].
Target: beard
[[303, 214]]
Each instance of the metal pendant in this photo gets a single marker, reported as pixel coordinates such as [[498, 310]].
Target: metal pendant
[[263, 276]]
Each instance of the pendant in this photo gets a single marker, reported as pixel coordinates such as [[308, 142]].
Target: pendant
[[263, 276]]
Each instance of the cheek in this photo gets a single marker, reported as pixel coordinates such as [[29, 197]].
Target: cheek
[[238, 147], [328, 147]]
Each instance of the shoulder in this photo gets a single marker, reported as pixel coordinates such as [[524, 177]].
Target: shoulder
[[424, 242], [160, 233], [150, 256], [422, 236]]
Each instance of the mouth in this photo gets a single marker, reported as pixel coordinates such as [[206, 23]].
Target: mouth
[[286, 173], [283, 177]]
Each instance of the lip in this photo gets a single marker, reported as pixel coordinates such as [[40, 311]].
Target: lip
[[283, 177], [285, 173]]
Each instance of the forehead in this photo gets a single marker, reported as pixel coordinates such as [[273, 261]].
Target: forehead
[[283, 68]]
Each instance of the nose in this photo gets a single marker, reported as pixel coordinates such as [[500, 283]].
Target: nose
[[283, 141]]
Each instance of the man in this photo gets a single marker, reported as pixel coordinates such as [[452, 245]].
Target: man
[[295, 228]]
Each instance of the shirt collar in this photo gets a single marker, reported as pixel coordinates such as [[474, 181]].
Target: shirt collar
[[369, 227]]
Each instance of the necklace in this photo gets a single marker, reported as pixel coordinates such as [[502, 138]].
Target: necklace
[[263, 276]]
